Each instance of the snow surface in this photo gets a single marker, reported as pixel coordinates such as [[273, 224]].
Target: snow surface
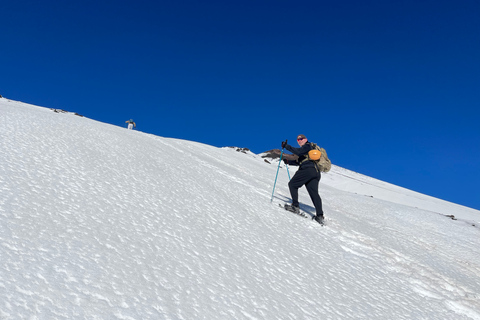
[[100, 222]]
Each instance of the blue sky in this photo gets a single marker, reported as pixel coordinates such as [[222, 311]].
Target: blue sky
[[389, 88]]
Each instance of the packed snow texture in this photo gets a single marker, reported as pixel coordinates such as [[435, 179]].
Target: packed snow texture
[[100, 222]]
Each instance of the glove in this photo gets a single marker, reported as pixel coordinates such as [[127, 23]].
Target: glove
[[284, 143]]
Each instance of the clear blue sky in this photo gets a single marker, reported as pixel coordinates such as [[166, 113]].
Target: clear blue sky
[[390, 88]]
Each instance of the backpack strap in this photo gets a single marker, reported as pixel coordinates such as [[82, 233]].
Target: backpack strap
[[307, 158]]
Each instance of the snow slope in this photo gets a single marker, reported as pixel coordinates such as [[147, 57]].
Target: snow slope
[[100, 222]]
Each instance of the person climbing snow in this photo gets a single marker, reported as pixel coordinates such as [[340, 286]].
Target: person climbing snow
[[131, 124], [308, 174]]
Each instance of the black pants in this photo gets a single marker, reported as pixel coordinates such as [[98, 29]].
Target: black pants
[[309, 177]]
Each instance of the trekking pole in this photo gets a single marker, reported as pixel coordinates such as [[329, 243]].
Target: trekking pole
[[279, 161], [286, 165]]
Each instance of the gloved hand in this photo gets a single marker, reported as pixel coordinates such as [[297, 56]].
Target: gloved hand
[[284, 143]]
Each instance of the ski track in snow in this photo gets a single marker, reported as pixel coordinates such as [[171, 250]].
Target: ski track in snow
[[99, 222]]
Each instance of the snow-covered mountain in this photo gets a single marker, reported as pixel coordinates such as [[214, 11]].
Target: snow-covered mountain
[[100, 222]]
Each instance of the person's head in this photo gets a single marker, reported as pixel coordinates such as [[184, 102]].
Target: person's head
[[301, 139]]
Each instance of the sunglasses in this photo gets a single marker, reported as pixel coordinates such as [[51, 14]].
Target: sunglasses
[[300, 139]]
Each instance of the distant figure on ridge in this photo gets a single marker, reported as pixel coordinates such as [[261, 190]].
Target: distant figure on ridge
[[131, 124], [308, 174]]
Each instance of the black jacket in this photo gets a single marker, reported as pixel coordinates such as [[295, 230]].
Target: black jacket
[[302, 154]]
